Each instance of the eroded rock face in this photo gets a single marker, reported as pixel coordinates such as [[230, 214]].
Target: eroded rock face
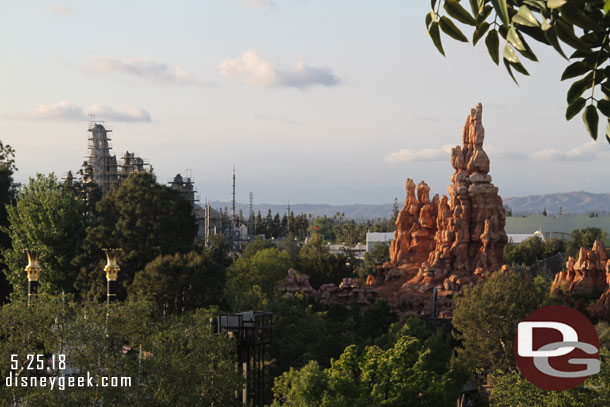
[[587, 274], [449, 242], [346, 294], [294, 283]]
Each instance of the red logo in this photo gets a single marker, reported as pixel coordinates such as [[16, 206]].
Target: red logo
[[556, 348]]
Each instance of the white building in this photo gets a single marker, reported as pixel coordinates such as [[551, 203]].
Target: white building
[[373, 238]]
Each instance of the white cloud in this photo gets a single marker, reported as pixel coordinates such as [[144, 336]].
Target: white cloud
[[254, 70], [260, 3], [147, 69], [427, 154], [67, 111], [126, 114], [585, 152], [60, 10]]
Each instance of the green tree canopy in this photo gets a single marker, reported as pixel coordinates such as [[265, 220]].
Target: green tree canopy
[[181, 282], [583, 25], [486, 318], [145, 220], [412, 372], [46, 217], [7, 194]]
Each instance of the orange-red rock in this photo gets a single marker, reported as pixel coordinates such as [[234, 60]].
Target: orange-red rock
[[448, 243], [584, 275]]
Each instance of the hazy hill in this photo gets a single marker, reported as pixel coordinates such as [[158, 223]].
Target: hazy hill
[[352, 211], [569, 202], [561, 224]]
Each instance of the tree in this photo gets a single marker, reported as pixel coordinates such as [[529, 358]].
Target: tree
[[319, 264], [584, 238], [581, 25], [511, 389], [144, 219], [180, 282], [412, 372], [7, 194], [46, 217], [251, 281], [486, 318], [171, 361]]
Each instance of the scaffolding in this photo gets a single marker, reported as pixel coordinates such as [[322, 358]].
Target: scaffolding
[[130, 163], [103, 165], [252, 334]]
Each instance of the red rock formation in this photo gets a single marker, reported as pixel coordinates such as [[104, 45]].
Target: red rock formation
[[348, 292], [415, 227], [294, 283], [586, 275], [448, 243]]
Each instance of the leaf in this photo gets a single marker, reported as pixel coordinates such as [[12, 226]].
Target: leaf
[[576, 69], [603, 105], [479, 33], [606, 9], [545, 25], [591, 119], [608, 125], [493, 45], [451, 29], [509, 54], [429, 19], [435, 34], [579, 87], [432, 4], [517, 66], [528, 53], [538, 4], [502, 10], [565, 32], [551, 36], [474, 6], [575, 107], [525, 17], [510, 71], [514, 39], [455, 10], [555, 3], [484, 13], [575, 16]]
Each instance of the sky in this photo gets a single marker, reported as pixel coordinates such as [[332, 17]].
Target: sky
[[312, 101]]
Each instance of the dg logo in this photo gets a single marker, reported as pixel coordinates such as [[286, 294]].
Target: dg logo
[[556, 348]]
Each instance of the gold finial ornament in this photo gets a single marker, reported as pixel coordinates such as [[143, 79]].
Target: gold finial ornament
[[33, 268], [112, 266]]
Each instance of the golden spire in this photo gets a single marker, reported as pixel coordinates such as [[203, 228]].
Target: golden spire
[[33, 268], [112, 267]]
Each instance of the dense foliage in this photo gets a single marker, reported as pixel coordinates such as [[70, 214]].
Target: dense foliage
[[412, 371], [144, 219], [48, 218]]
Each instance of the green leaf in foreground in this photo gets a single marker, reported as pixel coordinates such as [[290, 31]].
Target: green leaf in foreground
[[591, 119], [435, 34], [493, 45], [455, 10], [574, 108], [451, 29]]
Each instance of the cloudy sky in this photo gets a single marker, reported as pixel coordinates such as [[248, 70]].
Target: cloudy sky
[[313, 101]]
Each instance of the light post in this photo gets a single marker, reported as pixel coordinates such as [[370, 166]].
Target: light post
[[112, 273], [33, 270]]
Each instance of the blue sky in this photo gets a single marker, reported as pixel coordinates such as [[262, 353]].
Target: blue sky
[[313, 101]]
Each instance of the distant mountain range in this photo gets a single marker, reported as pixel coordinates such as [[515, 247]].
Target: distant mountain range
[[568, 202]]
